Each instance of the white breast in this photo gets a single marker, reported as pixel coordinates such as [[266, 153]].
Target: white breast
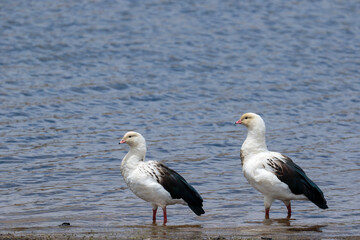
[[264, 180], [146, 186]]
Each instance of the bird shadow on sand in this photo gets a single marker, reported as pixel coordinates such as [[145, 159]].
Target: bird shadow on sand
[[158, 230], [280, 224], [169, 226], [291, 225], [280, 221]]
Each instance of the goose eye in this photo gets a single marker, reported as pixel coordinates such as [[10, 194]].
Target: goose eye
[[246, 117], [129, 136]]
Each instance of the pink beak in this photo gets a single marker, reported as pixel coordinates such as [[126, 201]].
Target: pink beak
[[238, 122], [122, 141]]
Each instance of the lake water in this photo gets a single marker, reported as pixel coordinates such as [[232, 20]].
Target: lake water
[[76, 75]]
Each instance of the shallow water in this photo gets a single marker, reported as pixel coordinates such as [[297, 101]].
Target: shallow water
[[76, 75]]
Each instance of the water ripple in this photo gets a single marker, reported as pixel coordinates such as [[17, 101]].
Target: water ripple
[[77, 75]]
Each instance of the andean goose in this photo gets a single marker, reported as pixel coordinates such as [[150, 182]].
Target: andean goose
[[273, 174], [154, 182]]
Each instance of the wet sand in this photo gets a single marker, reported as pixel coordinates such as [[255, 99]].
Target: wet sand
[[267, 229]]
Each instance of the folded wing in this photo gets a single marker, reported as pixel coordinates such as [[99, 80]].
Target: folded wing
[[291, 174]]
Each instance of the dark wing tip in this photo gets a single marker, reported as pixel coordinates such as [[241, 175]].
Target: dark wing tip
[[324, 206], [320, 201], [179, 188], [197, 209]]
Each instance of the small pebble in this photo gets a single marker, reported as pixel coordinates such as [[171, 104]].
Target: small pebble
[[65, 224]]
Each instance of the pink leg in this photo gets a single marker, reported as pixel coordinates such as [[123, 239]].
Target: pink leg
[[267, 213], [165, 217], [289, 210], [154, 214]]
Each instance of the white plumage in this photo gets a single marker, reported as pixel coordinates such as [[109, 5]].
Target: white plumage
[[261, 176], [273, 174], [153, 181], [142, 182]]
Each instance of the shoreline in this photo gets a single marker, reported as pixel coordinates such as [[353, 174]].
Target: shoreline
[[176, 232]]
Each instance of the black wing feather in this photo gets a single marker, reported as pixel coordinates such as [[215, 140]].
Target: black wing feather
[[291, 174], [178, 188]]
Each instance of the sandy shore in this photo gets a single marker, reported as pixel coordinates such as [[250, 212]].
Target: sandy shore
[[262, 232]]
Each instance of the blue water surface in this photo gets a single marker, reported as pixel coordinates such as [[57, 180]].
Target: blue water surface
[[76, 75]]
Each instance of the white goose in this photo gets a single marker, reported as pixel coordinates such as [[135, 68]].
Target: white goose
[[273, 174], [154, 182]]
